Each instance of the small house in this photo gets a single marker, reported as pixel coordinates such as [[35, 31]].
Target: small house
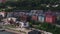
[[14, 19], [41, 18], [50, 19], [58, 17], [9, 14], [35, 18], [24, 24], [3, 13]]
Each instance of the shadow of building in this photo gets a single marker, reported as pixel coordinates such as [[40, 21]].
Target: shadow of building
[[34, 32]]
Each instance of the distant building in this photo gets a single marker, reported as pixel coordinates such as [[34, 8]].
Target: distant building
[[2, 1], [9, 14], [14, 19], [41, 18], [35, 18], [3, 14], [24, 24]]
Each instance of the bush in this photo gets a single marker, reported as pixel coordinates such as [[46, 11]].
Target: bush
[[56, 30], [34, 22], [46, 27]]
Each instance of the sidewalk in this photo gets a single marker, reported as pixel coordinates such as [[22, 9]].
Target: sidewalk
[[26, 31], [12, 31], [23, 30]]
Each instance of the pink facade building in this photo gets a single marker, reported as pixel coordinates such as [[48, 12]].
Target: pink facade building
[[35, 18], [50, 19]]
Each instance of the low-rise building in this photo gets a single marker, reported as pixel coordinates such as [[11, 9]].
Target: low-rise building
[[24, 24], [3, 13]]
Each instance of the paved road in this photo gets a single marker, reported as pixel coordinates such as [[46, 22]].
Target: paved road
[[5, 32]]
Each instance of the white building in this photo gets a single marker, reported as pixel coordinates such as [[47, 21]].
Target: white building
[[2, 13], [14, 19], [22, 24]]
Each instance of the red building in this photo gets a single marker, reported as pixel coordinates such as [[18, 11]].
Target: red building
[[50, 19], [35, 18]]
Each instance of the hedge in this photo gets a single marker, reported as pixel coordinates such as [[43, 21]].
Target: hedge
[[46, 27]]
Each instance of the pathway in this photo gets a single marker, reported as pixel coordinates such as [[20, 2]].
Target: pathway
[[23, 30]]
